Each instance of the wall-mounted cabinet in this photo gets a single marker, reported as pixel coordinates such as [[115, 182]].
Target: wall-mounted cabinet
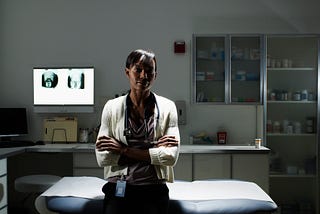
[[228, 69], [291, 127]]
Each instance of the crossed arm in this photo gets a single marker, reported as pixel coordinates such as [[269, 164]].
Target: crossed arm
[[105, 143]]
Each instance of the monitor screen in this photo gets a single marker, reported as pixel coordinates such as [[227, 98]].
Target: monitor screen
[[13, 122], [63, 86]]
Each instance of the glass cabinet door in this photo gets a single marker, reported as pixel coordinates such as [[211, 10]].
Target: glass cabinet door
[[209, 69], [246, 69], [227, 69]]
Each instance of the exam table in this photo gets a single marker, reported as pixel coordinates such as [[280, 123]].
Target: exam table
[[83, 195]]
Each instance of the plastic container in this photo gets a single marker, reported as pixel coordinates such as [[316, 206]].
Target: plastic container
[[304, 95], [285, 124], [269, 126], [310, 96], [297, 96], [297, 127], [257, 143], [241, 75], [222, 137], [310, 124], [209, 75], [201, 76], [84, 135], [276, 127]]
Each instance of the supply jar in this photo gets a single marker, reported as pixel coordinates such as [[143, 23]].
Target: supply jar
[[222, 137], [257, 143], [84, 135]]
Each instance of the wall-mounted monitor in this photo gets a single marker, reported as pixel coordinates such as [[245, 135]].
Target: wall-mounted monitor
[[72, 86], [13, 122]]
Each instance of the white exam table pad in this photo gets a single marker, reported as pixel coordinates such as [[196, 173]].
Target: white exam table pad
[[91, 188], [244, 196], [83, 187]]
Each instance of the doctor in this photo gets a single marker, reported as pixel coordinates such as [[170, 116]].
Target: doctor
[[138, 143]]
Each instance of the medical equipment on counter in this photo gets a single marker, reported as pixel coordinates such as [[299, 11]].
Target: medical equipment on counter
[[61, 129]]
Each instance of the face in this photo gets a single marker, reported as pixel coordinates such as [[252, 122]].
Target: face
[[141, 75]]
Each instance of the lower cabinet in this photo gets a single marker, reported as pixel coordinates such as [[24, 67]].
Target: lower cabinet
[[247, 167], [183, 168], [85, 164], [211, 166], [251, 167]]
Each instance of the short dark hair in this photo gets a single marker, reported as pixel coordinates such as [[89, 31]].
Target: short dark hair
[[142, 56]]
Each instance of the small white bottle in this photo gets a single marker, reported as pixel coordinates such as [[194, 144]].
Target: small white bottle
[[297, 127], [304, 95], [276, 127], [257, 143]]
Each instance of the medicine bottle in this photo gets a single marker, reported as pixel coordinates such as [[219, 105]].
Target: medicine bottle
[[297, 127], [257, 143], [297, 96], [304, 95], [276, 127], [84, 135], [269, 126]]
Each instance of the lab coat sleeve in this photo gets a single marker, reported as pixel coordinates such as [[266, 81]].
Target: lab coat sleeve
[[167, 156], [106, 158]]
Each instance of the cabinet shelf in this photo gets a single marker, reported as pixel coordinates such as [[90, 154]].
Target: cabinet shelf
[[291, 102], [292, 69], [245, 81], [283, 175], [210, 59], [214, 80], [291, 135]]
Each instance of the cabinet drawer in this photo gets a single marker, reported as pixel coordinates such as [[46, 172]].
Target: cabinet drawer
[[3, 191], [183, 168], [251, 167], [3, 166], [211, 166], [85, 160]]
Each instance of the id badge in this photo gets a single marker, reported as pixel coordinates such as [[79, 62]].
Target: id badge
[[120, 188]]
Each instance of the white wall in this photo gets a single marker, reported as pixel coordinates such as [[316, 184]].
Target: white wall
[[102, 33]]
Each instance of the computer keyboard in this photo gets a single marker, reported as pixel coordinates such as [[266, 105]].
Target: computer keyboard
[[16, 143]]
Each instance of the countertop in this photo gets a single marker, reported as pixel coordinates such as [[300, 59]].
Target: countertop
[[7, 152], [184, 149], [234, 149]]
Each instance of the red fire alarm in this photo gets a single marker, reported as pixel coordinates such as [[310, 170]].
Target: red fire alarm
[[179, 47]]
